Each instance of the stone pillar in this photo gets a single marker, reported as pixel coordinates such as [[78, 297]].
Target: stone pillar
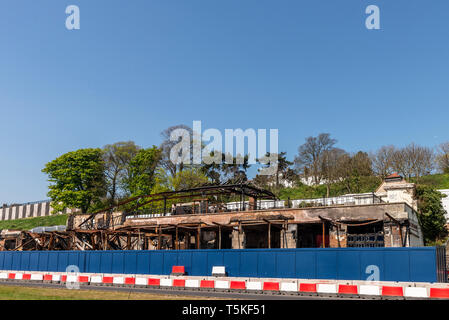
[[338, 233], [14, 213], [238, 239], [44, 209], [21, 216], [252, 203], [392, 235], [289, 236], [29, 207]]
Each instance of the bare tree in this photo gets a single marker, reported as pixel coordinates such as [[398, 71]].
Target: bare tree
[[382, 161], [442, 158], [352, 168], [167, 145], [310, 155], [401, 163], [413, 161], [424, 160], [331, 170]]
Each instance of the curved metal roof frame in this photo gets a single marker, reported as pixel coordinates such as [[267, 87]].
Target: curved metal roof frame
[[205, 190]]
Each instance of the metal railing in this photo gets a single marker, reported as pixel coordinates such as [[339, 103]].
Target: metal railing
[[237, 206]]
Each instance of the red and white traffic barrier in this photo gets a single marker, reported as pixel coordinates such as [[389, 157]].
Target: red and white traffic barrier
[[381, 290]]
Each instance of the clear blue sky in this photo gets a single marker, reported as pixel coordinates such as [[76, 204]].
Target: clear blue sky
[[137, 67]]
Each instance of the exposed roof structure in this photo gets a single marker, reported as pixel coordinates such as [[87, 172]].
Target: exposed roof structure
[[393, 176], [242, 189]]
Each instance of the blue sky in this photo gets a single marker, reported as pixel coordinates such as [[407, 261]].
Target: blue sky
[[137, 67]]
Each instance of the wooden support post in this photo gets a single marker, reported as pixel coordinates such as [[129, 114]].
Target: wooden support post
[[187, 240], [238, 233], [285, 229], [323, 241], [177, 239], [165, 206], [219, 237], [269, 235], [128, 241], [338, 234], [159, 238], [198, 237], [140, 243]]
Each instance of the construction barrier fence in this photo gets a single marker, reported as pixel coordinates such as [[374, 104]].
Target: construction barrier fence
[[420, 264]]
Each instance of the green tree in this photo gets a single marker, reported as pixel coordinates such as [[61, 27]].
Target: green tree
[[283, 169], [188, 178], [117, 157], [224, 172], [431, 213], [211, 169], [142, 171], [78, 180], [352, 170]]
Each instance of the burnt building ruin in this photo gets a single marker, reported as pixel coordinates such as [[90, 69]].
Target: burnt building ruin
[[238, 216]]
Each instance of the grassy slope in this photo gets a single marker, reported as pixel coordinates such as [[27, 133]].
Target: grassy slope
[[368, 184], [438, 181], [28, 293], [29, 223]]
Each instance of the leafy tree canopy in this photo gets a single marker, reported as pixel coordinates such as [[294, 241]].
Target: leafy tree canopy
[[432, 213], [142, 171], [77, 180]]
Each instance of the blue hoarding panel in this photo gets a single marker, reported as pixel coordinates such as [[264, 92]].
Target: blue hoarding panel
[[74, 260], [185, 259], [8, 261], [34, 260], [249, 263], [170, 260], [266, 264], [16, 261], [286, 264], [420, 263], [63, 261], [372, 264], [94, 264], [397, 265], [53, 260], [106, 262], [305, 264], [348, 264], [214, 258], [118, 262], [157, 262], [326, 262], [25, 260], [43, 261], [143, 262], [2, 261], [199, 265], [231, 259], [130, 258], [384, 264]]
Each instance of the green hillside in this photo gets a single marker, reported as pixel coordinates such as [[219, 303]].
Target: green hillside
[[30, 223], [437, 181], [361, 185]]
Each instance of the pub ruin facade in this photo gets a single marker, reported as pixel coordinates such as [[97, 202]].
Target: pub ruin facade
[[205, 218]]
